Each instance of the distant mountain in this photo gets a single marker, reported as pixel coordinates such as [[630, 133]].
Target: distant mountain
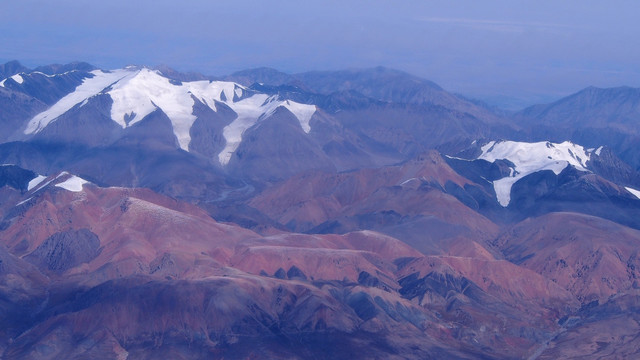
[[263, 75], [180, 76], [378, 83], [11, 68], [55, 69], [592, 117], [617, 108]]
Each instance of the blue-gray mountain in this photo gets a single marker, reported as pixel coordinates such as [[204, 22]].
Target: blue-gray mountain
[[351, 214]]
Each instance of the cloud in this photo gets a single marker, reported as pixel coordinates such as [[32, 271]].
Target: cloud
[[497, 25]]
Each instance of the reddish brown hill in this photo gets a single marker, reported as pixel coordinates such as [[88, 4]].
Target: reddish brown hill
[[493, 303], [128, 271], [606, 331], [136, 229], [137, 273], [591, 257], [406, 201], [311, 198], [140, 232]]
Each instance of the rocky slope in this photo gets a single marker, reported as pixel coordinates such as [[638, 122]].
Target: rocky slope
[[88, 258]]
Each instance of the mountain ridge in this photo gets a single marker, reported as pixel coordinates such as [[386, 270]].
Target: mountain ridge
[[349, 214]]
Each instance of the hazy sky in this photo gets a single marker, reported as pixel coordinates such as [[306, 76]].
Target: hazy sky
[[488, 49]]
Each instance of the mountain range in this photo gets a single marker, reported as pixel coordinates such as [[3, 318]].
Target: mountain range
[[363, 213]]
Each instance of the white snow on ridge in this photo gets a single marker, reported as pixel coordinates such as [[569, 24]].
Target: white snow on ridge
[[598, 150], [253, 109], [17, 78], [24, 201], [303, 112], [248, 110], [633, 191], [38, 183], [20, 79], [73, 184], [137, 92], [138, 96], [35, 182], [51, 76], [88, 88], [532, 157]]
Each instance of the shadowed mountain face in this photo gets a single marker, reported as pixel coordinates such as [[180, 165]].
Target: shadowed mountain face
[[156, 214]]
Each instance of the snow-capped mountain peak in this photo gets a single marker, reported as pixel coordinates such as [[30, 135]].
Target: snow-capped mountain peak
[[91, 86], [528, 158], [137, 92]]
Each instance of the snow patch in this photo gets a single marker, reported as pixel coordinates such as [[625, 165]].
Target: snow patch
[[303, 112], [35, 182], [89, 87], [248, 110], [41, 186], [73, 183], [633, 191], [408, 181], [457, 158], [253, 109], [24, 201], [51, 76], [599, 150], [147, 90], [17, 78], [529, 158]]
